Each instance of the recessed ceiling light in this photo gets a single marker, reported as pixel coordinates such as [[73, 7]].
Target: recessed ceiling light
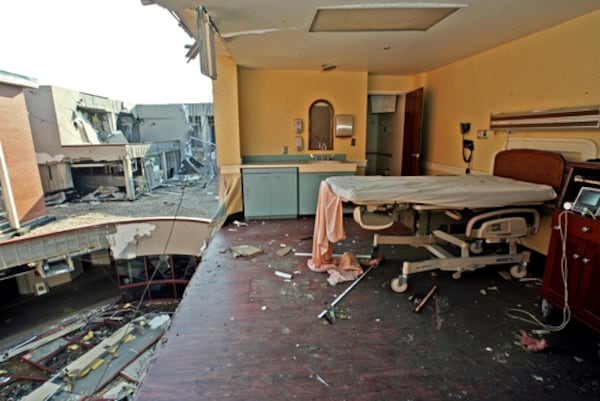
[[393, 18]]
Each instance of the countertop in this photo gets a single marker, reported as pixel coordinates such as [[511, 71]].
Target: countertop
[[323, 166]]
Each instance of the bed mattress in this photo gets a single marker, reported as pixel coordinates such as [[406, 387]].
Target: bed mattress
[[468, 191]]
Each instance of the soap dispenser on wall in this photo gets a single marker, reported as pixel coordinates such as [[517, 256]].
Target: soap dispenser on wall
[[298, 143], [298, 126]]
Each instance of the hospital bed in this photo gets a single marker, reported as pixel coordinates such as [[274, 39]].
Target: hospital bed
[[465, 222]]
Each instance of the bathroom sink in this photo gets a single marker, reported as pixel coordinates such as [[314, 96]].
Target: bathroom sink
[[324, 161]]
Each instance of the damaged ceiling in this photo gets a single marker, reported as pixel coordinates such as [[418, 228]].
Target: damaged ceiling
[[267, 34]]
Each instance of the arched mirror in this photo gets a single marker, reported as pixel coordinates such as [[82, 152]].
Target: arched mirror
[[320, 123]]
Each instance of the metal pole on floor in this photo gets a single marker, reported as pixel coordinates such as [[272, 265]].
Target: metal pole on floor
[[343, 294]]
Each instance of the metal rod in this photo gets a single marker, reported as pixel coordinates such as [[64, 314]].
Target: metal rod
[[424, 301], [346, 291], [579, 178]]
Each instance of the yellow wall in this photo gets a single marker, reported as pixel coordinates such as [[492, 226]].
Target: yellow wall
[[271, 100], [393, 83], [559, 67], [226, 112], [255, 109]]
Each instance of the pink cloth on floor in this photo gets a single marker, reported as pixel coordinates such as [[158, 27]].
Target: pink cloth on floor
[[329, 228], [348, 269]]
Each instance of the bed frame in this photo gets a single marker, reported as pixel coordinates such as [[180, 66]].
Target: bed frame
[[498, 226]]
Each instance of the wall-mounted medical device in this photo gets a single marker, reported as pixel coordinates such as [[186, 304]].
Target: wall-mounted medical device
[[587, 202]]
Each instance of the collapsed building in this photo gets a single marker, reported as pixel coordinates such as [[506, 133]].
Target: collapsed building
[[85, 141], [61, 144]]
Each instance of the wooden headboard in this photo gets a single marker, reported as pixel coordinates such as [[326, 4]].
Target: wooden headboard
[[531, 165]]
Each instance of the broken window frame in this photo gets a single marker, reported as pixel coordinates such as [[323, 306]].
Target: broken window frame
[[163, 286]]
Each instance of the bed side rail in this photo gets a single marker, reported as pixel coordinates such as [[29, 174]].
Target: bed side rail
[[504, 224]]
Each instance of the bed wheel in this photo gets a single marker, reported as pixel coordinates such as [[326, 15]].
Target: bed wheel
[[476, 247], [456, 275], [399, 284], [517, 272]]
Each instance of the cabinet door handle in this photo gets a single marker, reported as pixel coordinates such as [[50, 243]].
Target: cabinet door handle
[[586, 260], [576, 256], [586, 229]]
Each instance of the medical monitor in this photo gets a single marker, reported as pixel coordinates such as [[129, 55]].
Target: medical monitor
[[588, 201]]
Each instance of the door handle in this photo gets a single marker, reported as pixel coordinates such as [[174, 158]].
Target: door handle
[[415, 155]]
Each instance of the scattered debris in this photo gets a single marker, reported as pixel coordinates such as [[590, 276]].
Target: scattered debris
[[416, 298], [424, 300], [335, 313], [531, 344], [104, 193], [501, 357], [97, 367], [505, 275], [283, 275], [483, 291], [60, 197], [30, 345], [441, 306], [245, 250], [537, 378], [533, 280], [578, 359], [103, 354], [284, 251], [319, 378]]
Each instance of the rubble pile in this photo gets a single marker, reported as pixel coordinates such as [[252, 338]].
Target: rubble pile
[[102, 355]]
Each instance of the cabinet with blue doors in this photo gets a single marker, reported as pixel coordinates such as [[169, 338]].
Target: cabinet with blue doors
[[270, 193], [308, 190]]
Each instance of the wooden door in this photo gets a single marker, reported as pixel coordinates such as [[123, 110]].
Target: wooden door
[[413, 122]]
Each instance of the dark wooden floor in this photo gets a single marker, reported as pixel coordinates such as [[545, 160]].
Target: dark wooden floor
[[243, 333]]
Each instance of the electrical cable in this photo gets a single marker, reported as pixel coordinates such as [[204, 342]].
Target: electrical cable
[[566, 311]]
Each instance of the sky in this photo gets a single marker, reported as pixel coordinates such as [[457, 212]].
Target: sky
[[118, 49]]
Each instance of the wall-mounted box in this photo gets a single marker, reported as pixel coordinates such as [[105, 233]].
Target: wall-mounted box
[[298, 126], [344, 125]]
